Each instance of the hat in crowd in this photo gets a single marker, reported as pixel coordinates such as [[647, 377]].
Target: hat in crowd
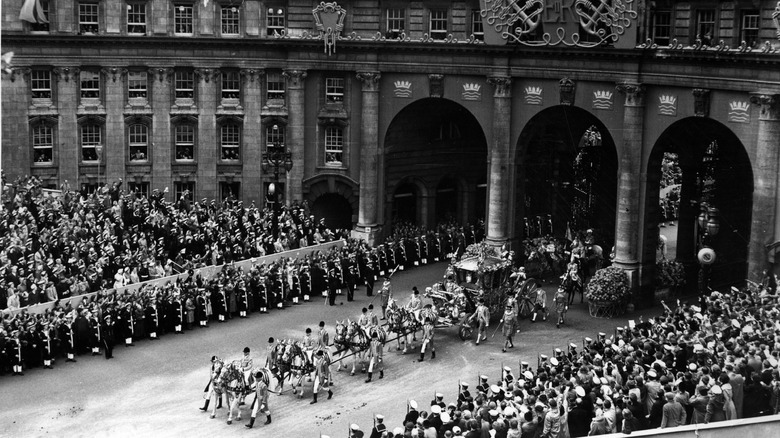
[[652, 374], [573, 345], [716, 390], [543, 356], [495, 389], [445, 417], [380, 417], [436, 409], [464, 385], [528, 375], [493, 413], [455, 429], [439, 395], [246, 349], [508, 369], [588, 340], [580, 391], [554, 361], [412, 404], [354, 427], [483, 377]]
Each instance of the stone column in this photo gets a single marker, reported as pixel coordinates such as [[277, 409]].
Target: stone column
[[369, 144], [499, 168], [296, 103], [627, 234], [253, 138], [765, 228], [114, 155], [67, 98], [159, 80], [208, 133]]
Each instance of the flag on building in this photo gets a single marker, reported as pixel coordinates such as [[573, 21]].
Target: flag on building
[[32, 11]]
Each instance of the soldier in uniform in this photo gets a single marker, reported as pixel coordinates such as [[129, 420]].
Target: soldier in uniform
[[322, 376], [177, 313], [540, 305], [246, 368], [333, 282], [242, 298], [379, 427], [261, 401], [16, 353], [153, 319], [428, 333], [304, 277], [368, 276], [483, 386], [464, 396], [373, 320], [375, 349], [107, 335], [270, 356]]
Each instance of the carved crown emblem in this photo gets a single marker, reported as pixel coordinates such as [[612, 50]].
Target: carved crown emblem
[[405, 85], [472, 87], [667, 100], [533, 91], [739, 106], [602, 95]]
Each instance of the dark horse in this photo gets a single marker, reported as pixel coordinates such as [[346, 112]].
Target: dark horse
[[571, 282]]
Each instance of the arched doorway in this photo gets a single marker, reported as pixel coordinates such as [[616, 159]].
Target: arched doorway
[[428, 142], [405, 204], [566, 176], [715, 172], [447, 200], [335, 209]]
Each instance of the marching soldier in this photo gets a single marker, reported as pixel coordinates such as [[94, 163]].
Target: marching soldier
[[483, 386], [464, 396], [428, 333], [375, 357], [322, 376], [261, 400]]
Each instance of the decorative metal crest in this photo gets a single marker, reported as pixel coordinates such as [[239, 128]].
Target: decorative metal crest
[[516, 20], [329, 19]]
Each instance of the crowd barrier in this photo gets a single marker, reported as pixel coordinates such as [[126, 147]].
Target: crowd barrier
[[759, 427], [205, 272]]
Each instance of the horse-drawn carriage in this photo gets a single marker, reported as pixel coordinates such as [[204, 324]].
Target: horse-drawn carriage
[[482, 273]]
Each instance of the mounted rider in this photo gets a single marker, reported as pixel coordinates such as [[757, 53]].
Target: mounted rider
[[323, 339], [246, 365]]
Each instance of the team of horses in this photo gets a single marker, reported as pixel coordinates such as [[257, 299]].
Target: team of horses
[[292, 362]]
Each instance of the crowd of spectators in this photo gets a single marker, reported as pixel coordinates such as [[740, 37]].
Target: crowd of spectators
[[699, 363], [198, 235], [57, 245]]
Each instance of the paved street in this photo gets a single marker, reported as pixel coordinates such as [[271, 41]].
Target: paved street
[[155, 388]]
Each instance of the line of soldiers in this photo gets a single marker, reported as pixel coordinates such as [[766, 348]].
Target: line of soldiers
[[29, 340]]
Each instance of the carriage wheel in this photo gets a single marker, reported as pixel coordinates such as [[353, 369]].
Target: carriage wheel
[[527, 294], [465, 333]]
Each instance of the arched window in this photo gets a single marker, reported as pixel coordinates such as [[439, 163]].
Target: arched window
[[138, 141]]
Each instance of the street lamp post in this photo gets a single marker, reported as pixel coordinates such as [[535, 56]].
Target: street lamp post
[[275, 157], [708, 223]]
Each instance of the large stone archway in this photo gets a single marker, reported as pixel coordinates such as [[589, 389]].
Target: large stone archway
[[716, 172], [564, 177], [335, 209], [428, 141]]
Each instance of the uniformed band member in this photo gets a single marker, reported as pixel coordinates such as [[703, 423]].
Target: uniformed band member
[[261, 400], [464, 396], [379, 427], [322, 376], [540, 305], [428, 333], [483, 386], [375, 349]]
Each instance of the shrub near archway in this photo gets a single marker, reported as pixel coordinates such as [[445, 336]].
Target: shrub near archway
[[608, 292]]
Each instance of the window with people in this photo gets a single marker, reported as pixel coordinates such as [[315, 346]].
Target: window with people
[[138, 142]]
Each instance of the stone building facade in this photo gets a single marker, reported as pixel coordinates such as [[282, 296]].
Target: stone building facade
[[413, 110]]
